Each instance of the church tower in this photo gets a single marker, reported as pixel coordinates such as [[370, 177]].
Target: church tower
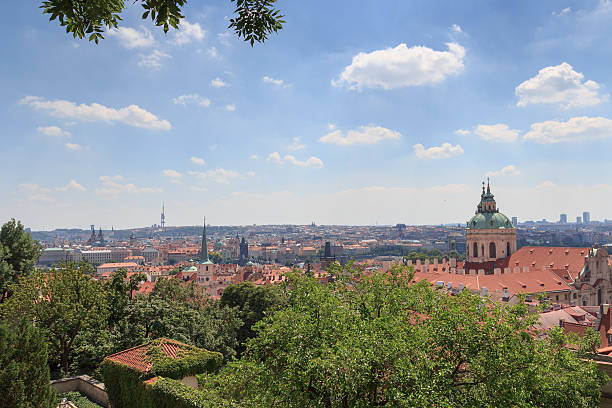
[[489, 234]]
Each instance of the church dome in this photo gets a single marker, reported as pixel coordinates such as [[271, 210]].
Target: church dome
[[489, 220]]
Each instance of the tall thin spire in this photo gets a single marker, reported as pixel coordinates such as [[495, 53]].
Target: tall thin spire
[[488, 186], [204, 250]]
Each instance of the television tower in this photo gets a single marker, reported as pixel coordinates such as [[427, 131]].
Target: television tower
[[163, 216]]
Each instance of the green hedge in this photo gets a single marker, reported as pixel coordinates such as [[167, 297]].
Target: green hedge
[[126, 387], [192, 362], [169, 393]]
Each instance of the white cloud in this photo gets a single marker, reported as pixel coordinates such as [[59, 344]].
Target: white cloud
[[132, 115], [497, 133], [191, 99], [172, 173], [462, 132], [509, 170], [224, 38], [131, 38], [218, 83], [277, 82], [198, 189], [456, 28], [111, 187], [72, 185], [212, 52], [250, 173], [446, 151], [37, 192], [364, 135], [74, 147], [274, 157], [219, 175], [153, 60], [296, 145], [53, 131], [401, 66], [254, 156], [563, 12], [197, 160], [312, 162], [561, 85], [188, 32], [576, 129], [230, 108]]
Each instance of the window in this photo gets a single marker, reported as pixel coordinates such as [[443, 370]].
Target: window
[[507, 249], [475, 254], [492, 252]]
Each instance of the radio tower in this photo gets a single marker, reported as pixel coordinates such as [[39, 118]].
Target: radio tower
[[163, 216]]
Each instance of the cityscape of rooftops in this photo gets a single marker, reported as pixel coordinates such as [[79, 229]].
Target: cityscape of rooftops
[[264, 203]]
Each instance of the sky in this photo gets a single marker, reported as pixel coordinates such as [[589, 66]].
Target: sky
[[357, 112]]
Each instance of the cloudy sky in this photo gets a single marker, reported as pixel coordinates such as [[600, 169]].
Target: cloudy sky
[[358, 112]]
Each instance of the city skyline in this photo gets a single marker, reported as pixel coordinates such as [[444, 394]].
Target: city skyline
[[312, 125]]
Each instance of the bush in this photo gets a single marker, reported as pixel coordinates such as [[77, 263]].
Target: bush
[[78, 399]]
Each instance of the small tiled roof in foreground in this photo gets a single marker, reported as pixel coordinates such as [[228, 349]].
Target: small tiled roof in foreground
[[139, 359]]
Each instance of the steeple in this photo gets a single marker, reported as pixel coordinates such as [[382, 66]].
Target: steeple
[[204, 251]]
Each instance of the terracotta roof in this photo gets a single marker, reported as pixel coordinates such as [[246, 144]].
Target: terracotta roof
[[139, 359], [119, 265], [569, 259], [522, 282]]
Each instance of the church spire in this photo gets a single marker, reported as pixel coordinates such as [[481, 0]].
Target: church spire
[[488, 186], [204, 250]]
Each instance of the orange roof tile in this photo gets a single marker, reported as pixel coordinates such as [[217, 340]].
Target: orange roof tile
[[139, 359]]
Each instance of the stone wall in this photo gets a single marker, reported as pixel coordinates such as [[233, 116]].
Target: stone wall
[[84, 384]]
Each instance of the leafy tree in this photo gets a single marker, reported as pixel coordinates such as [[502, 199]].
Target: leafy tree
[[18, 255], [215, 257], [65, 303], [253, 302], [254, 19], [134, 282], [380, 339], [24, 373], [116, 290]]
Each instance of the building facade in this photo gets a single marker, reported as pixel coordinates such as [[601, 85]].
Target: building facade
[[490, 235]]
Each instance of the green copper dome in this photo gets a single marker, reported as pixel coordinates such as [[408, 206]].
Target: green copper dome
[[489, 220]]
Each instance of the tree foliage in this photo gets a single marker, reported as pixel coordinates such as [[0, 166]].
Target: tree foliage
[[65, 302], [380, 339], [254, 21], [24, 373], [18, 255], [252, 303]]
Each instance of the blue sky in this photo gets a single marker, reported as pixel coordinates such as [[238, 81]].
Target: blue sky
[[357, 112]]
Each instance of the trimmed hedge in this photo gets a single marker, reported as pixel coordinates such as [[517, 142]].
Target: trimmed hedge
[[169, 393], [129, 388], [124, 386], [191, 362]]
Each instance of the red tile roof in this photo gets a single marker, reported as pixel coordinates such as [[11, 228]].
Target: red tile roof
[[558, 258], [139, 359]]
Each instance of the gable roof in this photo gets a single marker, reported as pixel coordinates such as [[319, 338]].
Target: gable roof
[[139, 359]]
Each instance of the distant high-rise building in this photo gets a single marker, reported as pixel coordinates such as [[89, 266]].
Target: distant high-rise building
[[579, 220], [586, 217], [563, 219], [514, 221], [163, 216]]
